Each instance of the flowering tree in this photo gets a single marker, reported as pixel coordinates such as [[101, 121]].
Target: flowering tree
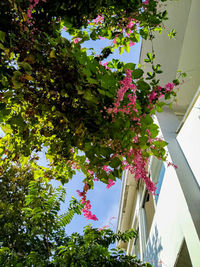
[[92, 116]]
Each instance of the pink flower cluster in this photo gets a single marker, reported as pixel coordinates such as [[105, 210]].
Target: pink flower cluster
[[73, 164], [171, 164], [87, 206], [169, 87], [138, 165], [131, 43], [139, 169], [110, 184], [157, 93], [131, 23], [87, 211], [104, 64], [146, 2], [126, 84], [33, 3], [98, 21], [106, 169], [90, 172], [77, 40], [127, 30]]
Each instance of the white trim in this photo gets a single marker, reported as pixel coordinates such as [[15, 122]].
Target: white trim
[[187, 113]]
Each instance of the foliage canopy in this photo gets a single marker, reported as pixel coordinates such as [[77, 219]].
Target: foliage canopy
[[32, 231], [55, 95]]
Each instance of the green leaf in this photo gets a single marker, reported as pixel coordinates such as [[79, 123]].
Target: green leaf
[[143, 86], [129, 66], [2, 36], [115, 163], [144, 33], [176, 81], [121, 50], [172, 34], [109, 82], [127, 47], [2, 106], [27, 67], [136, 74], [102, 92], [147, 120], [159, 106], [17, 120], [52, 54], [89, 96], [92, 81]]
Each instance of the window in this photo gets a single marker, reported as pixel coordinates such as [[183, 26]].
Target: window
[[149, 210]]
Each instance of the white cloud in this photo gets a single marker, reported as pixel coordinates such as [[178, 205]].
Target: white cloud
[[111, 218]]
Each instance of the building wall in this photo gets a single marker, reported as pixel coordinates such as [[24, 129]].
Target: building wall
[[177, 214]]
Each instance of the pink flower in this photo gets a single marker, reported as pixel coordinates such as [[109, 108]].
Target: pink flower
[[138, 168], [86, 187], [110, 183], [148, 132], [160, 96], [87, 205], [87, 212], [81, 194], [169, 87], [105, 65], [98, 20], [76, 40], [131, 43], [146, 2], [105, 168], [90, 172], [132, 98], [36, 2], [172, 164], [152, 96], [130, 24], [29, 14]]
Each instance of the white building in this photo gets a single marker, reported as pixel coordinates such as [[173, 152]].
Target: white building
[[169, 224]]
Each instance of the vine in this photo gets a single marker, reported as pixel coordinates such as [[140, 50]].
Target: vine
[[91, 116]]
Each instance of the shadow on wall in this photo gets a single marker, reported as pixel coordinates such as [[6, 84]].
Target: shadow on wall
[[153, 249]]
